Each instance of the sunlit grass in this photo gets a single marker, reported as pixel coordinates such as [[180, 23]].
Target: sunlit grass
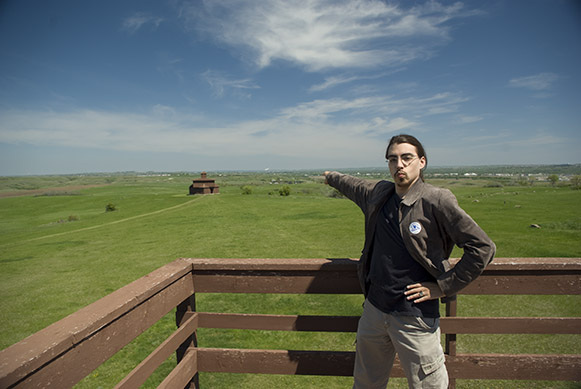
[[51, 269]]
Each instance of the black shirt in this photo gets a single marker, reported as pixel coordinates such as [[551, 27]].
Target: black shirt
[[393, 268]]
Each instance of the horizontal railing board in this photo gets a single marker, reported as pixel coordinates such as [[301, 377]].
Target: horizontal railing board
[[535, 264], [350, 264], [542, 283], [335, 363], [328, 283], [276, 264], [536, 276], [24, 357], [183, 373], [448, 325], [510, 325], [550, 367], [141, 372], [340, 363], [278, 322]]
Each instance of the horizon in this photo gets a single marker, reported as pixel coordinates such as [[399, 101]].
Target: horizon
[[266, 171], [167, 85]]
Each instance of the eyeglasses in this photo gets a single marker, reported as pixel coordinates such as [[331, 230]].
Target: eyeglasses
[[406, 159]]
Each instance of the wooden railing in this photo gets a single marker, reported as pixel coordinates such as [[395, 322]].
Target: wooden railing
[[64, 353]]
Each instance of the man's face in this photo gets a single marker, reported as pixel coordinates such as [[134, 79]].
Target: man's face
[[404, 164]]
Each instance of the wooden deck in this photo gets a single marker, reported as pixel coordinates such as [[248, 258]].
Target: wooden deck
[[67, 351]]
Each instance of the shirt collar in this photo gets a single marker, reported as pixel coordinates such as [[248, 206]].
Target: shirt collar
[[414, 193]]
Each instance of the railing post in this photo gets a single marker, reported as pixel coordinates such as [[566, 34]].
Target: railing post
[[451, 311], [184, 310]]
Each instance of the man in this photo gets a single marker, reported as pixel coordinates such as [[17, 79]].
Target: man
[[410, 230]]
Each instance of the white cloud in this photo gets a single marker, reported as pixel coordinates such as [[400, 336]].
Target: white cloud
[[135, 22], [303, 129], [537, 82], [169, 64], [467, 119], [377, 105], [333, 81], [221, 83], [163, 110], [322, 34]]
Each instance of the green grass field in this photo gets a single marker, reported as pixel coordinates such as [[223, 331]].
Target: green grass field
[[60, 251]]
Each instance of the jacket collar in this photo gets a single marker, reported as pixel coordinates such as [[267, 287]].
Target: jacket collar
[[414, 193]]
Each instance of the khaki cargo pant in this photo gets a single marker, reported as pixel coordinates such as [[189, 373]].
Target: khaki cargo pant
[[416, 341]]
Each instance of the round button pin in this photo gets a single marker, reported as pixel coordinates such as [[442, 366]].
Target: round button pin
[[415, 228]]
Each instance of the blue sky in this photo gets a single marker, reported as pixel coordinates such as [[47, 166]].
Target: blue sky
[[250, 85]]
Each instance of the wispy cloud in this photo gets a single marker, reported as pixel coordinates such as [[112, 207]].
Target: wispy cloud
[[322, 34], [467, 119], [169, 64], [296, 131], [537, 82], [333, 81], [381, 127], [135, 22], [222, 83], [415, 107]]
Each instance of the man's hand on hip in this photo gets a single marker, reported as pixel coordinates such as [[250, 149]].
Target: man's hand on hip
[[423, 292]]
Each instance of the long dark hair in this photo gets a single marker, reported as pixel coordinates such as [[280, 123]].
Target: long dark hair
[[412, 140]]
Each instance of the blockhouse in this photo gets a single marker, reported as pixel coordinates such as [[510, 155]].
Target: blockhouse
[[204, 185]]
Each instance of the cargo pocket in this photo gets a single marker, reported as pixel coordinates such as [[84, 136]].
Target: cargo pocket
[[429, 367]]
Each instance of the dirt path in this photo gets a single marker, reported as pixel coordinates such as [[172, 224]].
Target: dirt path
[[196, 198]]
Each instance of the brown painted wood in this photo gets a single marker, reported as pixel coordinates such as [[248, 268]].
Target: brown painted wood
[[281, 282], [535, 264], [502, 276], [450, 338], [142, 371], [68, 350], [25, 357], [339, 363], [184, 311], [279, 322], [555, 283], [520, 283], [183, 373], [335, 363], [273, 264], [510, 325], [86, 354], [449, 325], [349, 264], [552, 367]]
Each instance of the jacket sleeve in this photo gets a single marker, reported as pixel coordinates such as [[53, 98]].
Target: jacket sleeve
[[478, 248], [355, 189]]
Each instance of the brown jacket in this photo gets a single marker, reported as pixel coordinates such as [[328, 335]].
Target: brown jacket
[[431, 223]]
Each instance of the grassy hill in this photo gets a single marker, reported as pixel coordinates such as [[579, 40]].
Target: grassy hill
[[60, 250]]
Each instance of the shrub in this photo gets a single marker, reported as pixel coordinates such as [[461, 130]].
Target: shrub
[[335, 194], [110, 207], [246, 189], [285, 190], [553, 179]]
